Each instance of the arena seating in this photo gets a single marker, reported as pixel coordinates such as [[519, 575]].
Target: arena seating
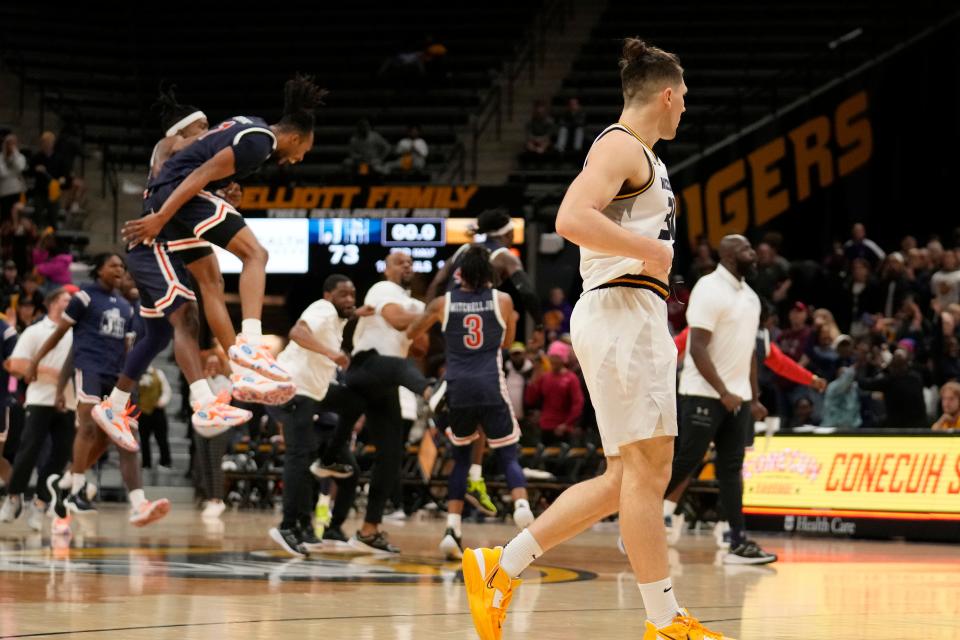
[[741, 63], [75, 70]]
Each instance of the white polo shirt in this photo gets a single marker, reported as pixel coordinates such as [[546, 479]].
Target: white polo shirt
[[374, 332], [730, 310], [312, 372], [42, 393]]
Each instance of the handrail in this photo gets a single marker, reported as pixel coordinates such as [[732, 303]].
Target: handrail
[[530, 54]]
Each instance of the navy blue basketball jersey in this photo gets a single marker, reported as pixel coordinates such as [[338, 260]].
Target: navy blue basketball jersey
[[252, 141], [473, 331], [101, 322], [494, 246]]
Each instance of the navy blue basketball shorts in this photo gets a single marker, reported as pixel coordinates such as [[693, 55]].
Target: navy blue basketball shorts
[[93, 386], [497, 421], [203, 220], [162, 279]]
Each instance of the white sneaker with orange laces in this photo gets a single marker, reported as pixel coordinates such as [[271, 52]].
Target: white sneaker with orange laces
[[257, 358], [218, 416], [117, 425], [250, 386], [149, 511]]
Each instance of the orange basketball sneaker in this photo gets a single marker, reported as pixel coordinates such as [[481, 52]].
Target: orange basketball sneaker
[[683, 627], [489, 590]]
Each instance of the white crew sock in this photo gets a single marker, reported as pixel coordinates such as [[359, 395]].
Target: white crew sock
[[476, 472], [519, 553], [65, 481], [119, 398], [200, 392], [77, 480], [453, 522], [659, 601], [137, 497], [520, 503], [669, 507], [252, 331]]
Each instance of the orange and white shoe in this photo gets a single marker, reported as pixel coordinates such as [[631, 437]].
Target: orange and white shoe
[[149, 511], [257, 358], [683, 627], [117, 425], [489, 590], [250, 386], [214, 418]]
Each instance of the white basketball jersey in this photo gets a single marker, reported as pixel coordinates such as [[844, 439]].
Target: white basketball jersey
[[648, 212]]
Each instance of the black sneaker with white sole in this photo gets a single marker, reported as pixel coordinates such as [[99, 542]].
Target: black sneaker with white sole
[[749, 552], [308, 538], [58, 496], [333, 470], [334, 534], [376, 543], [78, 503], [289, 539], [451, 545]]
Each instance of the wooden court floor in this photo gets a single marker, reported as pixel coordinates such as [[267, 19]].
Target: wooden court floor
[[181, 579]]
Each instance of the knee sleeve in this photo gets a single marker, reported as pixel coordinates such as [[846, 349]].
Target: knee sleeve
[[157, 337], [457, 484], [510, 466]]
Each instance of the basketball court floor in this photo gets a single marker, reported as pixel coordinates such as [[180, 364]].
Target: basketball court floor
[[183, 579]]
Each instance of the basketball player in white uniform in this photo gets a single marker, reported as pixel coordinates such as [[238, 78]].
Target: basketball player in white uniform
[[620, 210]]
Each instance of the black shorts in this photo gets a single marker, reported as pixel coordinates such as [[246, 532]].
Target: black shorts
[[162, 280], [497, 422], [203, 220], [93, 386]]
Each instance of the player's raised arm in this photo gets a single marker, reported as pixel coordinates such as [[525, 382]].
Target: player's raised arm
[[431, 315], [613, 160]]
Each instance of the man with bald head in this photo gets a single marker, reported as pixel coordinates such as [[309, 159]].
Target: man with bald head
[[719, 398], [377, 371]]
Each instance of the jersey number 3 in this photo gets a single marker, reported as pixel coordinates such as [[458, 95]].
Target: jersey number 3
[[671, 231], [473, 323]]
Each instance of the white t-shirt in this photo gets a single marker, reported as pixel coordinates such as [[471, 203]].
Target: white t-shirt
[[312, 372], [730, 310], [374, 332], [42, 393]]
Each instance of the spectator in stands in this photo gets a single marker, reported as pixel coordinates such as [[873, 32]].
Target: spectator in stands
[[894, 285], [558, 390], [795, 339], [935, 250], [861, 294], [947, 359], [154, 392], [902, 389], [823, 317], [841, 403], [570, 131], [30, 289], [368, 149], [18, 235], [703, 263], [772, 278], [517, 371], [950, 403], [859, 246], [12, 165], [556, 313], [52, 260], [411, 151], [48, 170], [540, 130], [945, 283], [802, 412], [822, 356], [10, 288], [213, 369], [27, 314]]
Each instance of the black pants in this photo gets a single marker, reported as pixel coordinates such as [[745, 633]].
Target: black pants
[[346, 487], [300, 438], [41, 423], [378, 378], [702, 421], [155, 424], [209, 474]]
